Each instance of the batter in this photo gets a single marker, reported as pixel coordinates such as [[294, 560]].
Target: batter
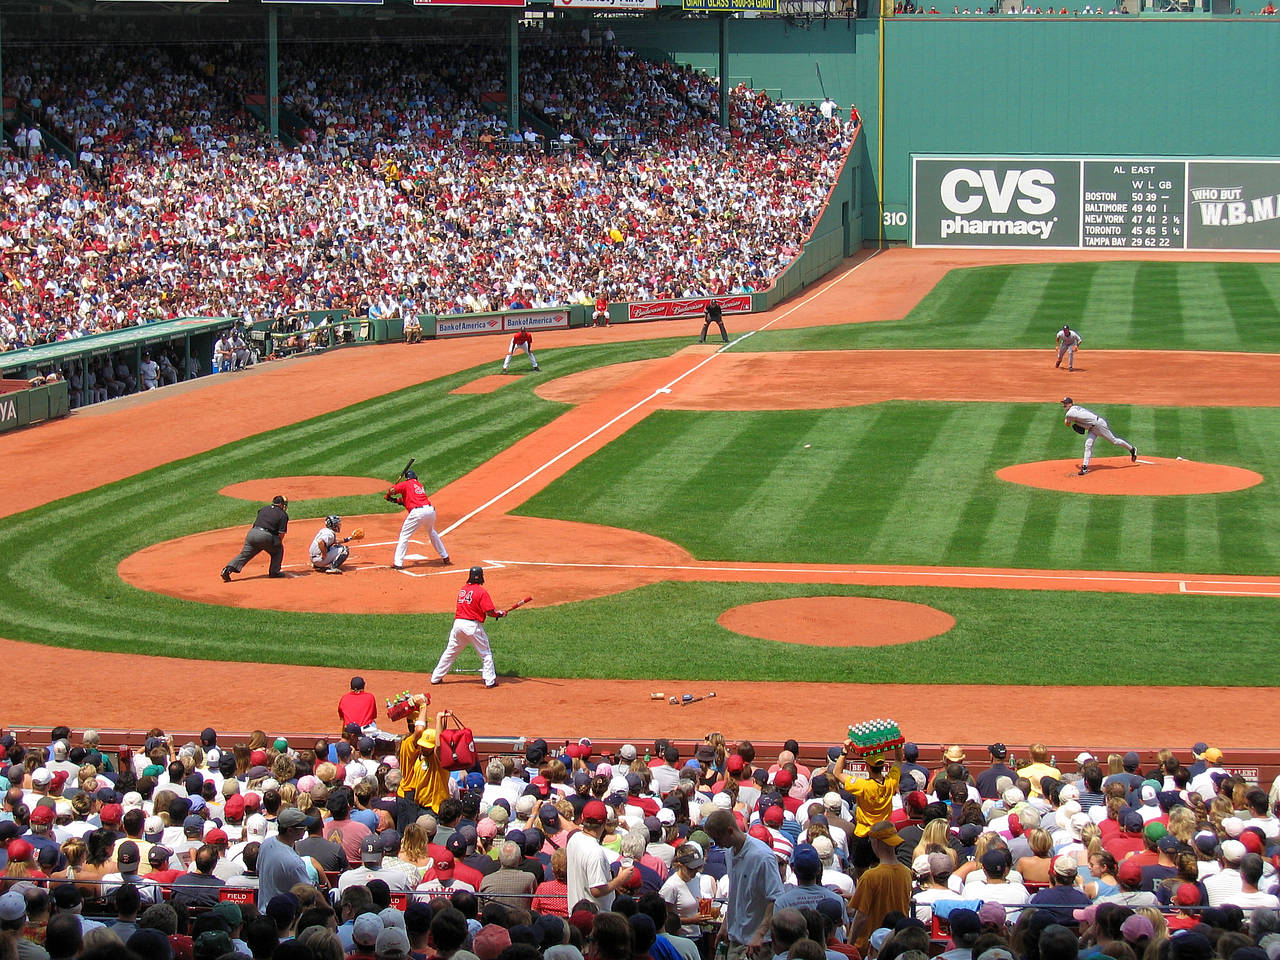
[[474, 603], [327, 555], [523, 340], [1093, 426], [1068, 340], [410, 495]]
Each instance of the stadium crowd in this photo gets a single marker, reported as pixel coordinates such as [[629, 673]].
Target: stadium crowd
[[399, 193], [373, 845]]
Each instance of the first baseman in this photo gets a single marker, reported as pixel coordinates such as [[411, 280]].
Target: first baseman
[[1068, 340], [474, 603], [410, 495], [522, 340], [327, 554], [1085, 421]]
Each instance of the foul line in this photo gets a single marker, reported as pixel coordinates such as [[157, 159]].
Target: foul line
[[918, 572], [664, 389]]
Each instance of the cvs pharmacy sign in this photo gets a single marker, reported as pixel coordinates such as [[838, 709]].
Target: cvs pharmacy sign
[[995, 202]]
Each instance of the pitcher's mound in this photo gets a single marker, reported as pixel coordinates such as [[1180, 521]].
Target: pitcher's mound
[[304, 488], [837, 621], [1149, 477]]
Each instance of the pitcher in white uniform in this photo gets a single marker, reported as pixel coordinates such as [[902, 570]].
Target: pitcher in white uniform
[[1093, 426]]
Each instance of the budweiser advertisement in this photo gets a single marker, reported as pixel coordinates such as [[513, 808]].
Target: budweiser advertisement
[[675, 309]]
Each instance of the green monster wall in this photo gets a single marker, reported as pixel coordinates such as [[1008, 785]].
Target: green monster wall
[[1123, 86]]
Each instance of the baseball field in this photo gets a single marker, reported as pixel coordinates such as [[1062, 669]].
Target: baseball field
[[866, 504]]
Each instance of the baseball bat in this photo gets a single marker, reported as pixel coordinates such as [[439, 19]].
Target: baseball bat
[[518, 604], [407, 467], [687, 699]]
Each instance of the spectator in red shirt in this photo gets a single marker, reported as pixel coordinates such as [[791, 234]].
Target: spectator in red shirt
[[552, 896], [359, 706]]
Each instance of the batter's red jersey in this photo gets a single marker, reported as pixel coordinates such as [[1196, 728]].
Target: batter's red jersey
[[474, 602], [522, 337], [414, 495]]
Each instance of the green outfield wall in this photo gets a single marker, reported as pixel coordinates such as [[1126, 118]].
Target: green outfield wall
[[1119, 86]]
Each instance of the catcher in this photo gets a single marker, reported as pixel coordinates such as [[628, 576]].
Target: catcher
[[328, 553]]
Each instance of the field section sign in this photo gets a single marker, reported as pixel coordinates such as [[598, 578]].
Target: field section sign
[[1234, 205], [1072, 203], [985, 202]]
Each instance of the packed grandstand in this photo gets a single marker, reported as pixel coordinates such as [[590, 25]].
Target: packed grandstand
[[411, 844], [396, 189]]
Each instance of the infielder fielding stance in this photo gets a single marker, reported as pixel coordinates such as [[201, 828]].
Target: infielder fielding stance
[[1068, 340], [522, 340], [328, 553], [474, 603], [410, 495], [1093, 426]]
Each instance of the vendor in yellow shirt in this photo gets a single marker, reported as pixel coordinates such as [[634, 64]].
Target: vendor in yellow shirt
[[874, 793], [424, 783]]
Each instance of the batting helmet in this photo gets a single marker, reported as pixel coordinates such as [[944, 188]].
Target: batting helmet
[[1067, 401], [410, 475], [475, 575], [333, 522]]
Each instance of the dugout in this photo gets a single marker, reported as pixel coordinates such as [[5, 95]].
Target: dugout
[[184, 339]]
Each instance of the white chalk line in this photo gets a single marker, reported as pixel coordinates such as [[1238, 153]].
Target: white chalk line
[[660, 391]]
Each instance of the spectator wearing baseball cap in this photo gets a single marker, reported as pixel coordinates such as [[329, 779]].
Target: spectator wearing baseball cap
[[986, 782], [1129, 879], [874, 793], [1062, 897], [885, 887]]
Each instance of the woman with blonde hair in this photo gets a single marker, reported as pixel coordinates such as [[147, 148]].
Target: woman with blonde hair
[[413, 846], [934, 835], [77, 853], [1182, 824], [1035, 868]]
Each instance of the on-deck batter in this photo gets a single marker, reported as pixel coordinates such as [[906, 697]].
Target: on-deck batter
[[522, 340], [1093, 426], [1068, 340], [410, 495], [474, 603]]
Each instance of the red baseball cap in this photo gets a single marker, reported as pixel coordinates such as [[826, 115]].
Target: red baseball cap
[[216, 836], [773, 816], [42, 815], [594, 812], [734, 763], [443, 866]]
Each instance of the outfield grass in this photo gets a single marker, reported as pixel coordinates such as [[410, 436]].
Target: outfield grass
[[895, 482], [1113, 305]]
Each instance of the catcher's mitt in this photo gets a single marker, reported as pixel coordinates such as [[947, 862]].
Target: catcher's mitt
[[1078, 429], [357, 534]]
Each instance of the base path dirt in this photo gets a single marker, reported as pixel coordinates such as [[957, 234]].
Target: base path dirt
[[475, 512], [303, 488]]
